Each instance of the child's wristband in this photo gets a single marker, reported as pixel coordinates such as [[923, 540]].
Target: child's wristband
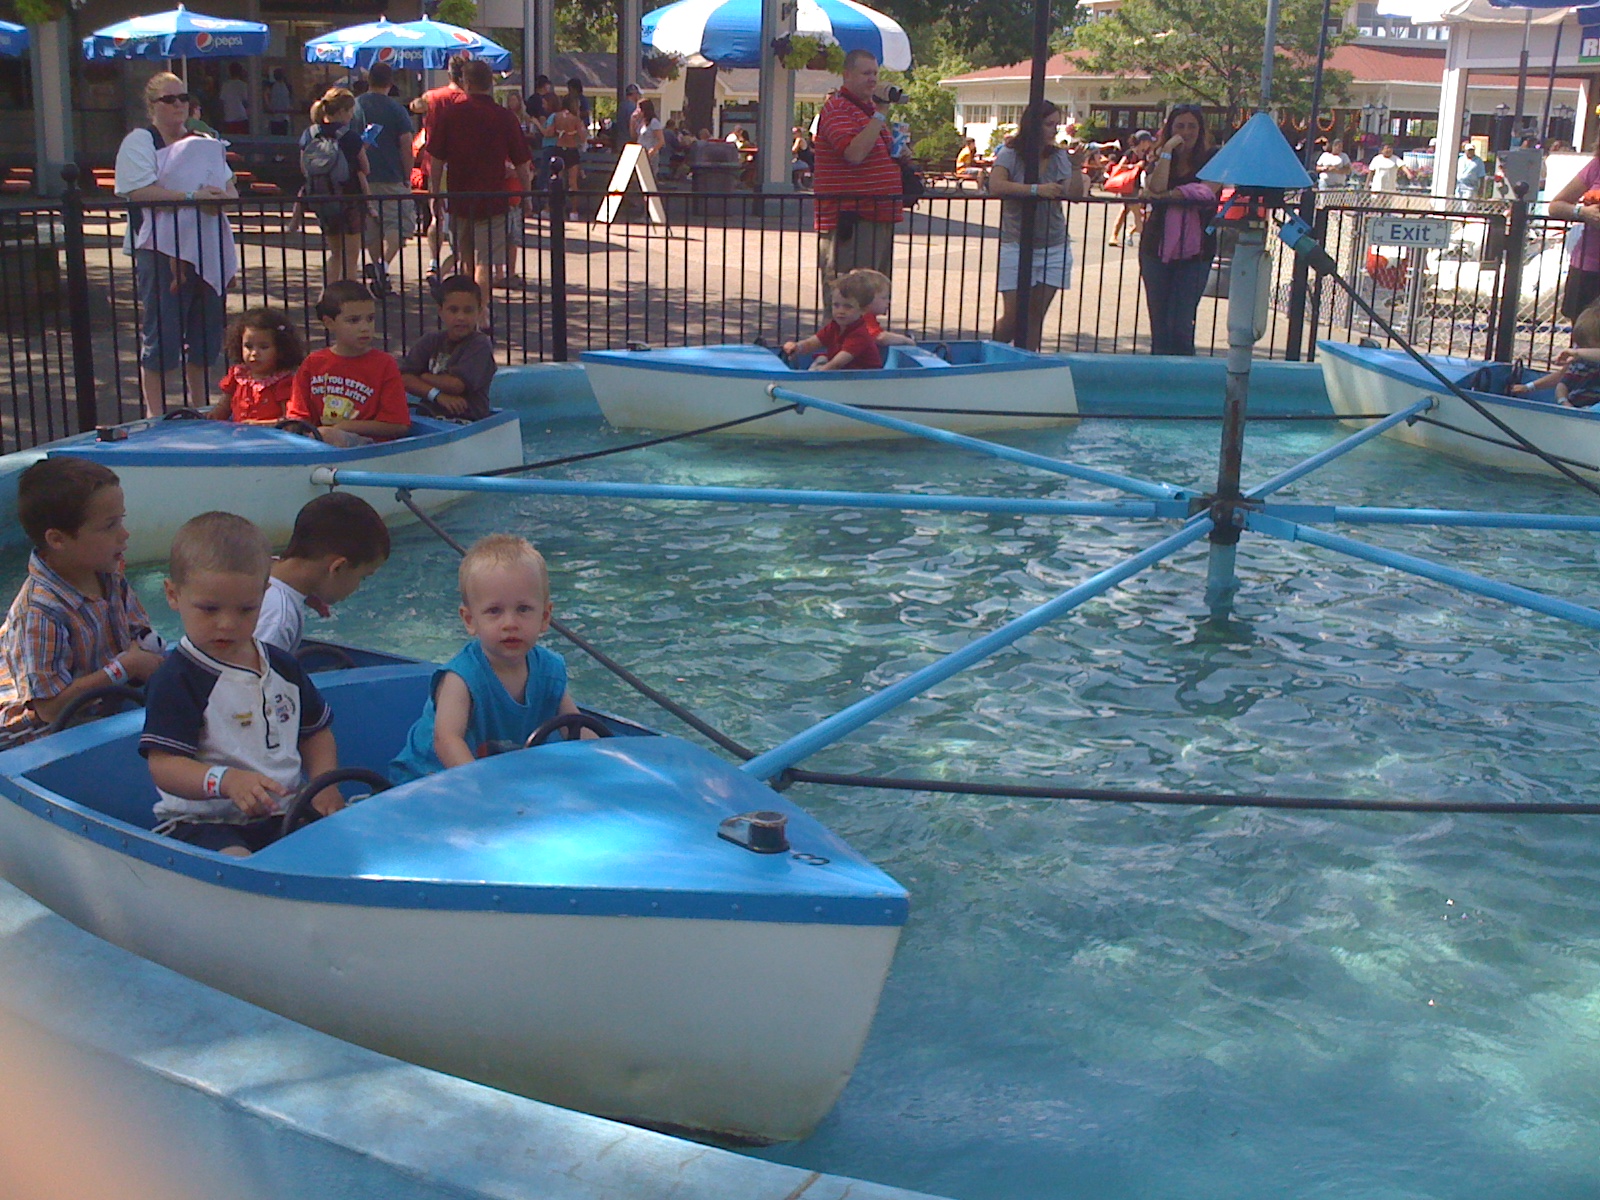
[[433, 395], [115, 671], [213, 783]]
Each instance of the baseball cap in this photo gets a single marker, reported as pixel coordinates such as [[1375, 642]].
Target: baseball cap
[[631, 90]]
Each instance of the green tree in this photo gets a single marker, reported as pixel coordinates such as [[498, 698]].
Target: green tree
[[586, 25], [1209, 51], [928, 108], [988, 31], [458, 12]]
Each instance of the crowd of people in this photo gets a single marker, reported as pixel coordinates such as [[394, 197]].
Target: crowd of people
[[376, 171]]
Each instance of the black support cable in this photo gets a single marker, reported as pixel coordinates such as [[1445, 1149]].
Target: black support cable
[[669, 437], [1190, 799], [1319, 259], [594, 652]]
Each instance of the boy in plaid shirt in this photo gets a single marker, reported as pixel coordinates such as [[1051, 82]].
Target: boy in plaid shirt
[[76, 625]]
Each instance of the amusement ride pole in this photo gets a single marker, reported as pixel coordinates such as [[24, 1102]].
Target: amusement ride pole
[[1244, 289], [1300, 280], [1029, 150]]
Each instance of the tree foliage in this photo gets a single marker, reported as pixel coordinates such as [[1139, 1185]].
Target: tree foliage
[[929, 108], [986, 31], [1209, 51], [458, 12]]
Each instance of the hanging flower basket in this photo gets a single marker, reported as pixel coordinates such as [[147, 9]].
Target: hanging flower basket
[[798, 51]]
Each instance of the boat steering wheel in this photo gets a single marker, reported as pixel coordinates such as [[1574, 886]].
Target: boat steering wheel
[[300, 811], [310, 652], [302, 428], [183, 414], [572, 724], [75, 706]]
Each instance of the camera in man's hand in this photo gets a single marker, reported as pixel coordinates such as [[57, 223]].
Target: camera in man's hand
[[891, 95]]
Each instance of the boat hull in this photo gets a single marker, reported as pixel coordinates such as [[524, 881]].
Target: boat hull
[[1374, 382], [607, 1015], [163, 489], [562, 922], [692, 387]]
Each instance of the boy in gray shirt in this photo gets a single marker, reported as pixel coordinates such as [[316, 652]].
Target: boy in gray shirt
[[450, 369]]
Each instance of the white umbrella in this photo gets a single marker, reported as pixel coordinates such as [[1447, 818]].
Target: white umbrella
[[728, 32]]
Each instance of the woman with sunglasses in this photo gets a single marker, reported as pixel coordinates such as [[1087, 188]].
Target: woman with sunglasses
[[1175, 251], [180, 313]]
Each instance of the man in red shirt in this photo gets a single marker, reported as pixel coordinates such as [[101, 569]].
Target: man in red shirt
[[474, 140], [852, 148], [428, 106]]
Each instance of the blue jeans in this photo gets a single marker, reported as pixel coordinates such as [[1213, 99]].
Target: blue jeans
[[176, 324], [1172, 293]]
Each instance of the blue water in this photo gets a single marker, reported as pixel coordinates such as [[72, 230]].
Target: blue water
[[1108, 1001]]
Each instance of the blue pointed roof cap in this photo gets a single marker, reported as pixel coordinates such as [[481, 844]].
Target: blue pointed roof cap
[[1257, 157]]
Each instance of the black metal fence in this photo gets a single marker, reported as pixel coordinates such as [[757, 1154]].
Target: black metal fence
[[729, 267]]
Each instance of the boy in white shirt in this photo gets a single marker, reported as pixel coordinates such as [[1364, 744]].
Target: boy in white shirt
[[232, 727], [338, 541]]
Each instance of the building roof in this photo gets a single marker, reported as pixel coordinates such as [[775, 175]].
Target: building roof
[[745, 81], [597, 69], [1422, 63]]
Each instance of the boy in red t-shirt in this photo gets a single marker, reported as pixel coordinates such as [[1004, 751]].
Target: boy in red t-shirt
[[879, 308], [845, 341], [350, 393]]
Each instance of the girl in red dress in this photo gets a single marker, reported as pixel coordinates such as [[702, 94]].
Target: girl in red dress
[[264, 351]]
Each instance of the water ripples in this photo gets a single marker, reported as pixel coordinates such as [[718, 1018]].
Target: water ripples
[[1119, 1001]]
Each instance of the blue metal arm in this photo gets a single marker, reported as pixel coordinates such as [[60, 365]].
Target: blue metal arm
[[847, 721], [1125, 483], [1332, 452], [1361, 515], [1171, 509], [1463, 580]]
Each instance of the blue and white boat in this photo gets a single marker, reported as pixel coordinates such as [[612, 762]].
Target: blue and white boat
[[1369, 381], [964, 387], [174, 470], [563, 922]]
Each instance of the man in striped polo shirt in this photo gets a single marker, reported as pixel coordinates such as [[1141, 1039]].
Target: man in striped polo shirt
[[854, 160]]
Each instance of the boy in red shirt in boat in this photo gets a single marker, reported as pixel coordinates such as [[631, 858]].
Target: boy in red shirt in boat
[[350, 393], [845, 341]]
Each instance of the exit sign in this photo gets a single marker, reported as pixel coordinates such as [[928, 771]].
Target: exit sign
[[1417, 233]]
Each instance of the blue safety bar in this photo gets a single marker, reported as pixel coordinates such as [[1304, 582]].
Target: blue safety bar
[[847, 721], [1463, 580], [1125, 483], [1332, 452], [905, 502], [1360, 515]]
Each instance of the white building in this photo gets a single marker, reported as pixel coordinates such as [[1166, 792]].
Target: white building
[[1491, 42], [1398, 71]]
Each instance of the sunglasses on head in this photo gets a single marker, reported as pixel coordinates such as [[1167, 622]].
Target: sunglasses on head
[[175, 98]]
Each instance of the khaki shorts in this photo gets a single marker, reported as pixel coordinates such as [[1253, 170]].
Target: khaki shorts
[[867, 244], [391, 219], [484, 241]]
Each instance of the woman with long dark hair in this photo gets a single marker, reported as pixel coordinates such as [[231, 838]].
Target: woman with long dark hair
[[1578, 202], [1059, 179], [1175, 251]]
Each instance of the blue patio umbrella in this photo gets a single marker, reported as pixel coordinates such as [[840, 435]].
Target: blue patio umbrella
[[409, 45], [13, 40], [728, 32], [177, 34]]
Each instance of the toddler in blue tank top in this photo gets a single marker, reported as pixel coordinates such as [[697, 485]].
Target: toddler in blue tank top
[[502, 685]]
